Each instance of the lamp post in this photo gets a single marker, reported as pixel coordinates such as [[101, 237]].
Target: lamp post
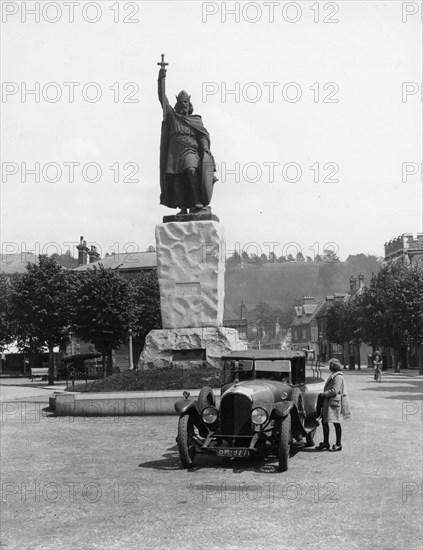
[[407, 348], [131, 360], [242, 308]]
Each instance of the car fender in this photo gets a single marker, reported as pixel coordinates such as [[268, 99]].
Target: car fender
[[310, 404], [184, 405], [283, 408]]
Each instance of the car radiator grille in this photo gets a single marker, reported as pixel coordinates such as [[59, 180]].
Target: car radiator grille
[[235, 410]]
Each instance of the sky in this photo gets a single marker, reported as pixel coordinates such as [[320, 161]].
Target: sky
[[314, 111]]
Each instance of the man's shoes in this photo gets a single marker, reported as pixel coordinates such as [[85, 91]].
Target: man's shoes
[[336, 448], [323, 447]]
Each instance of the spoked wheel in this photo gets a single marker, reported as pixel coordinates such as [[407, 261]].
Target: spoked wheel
[[284, 443], [186, 446]]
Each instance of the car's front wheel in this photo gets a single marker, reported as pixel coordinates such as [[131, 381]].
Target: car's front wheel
[[185, 441], [284, 442]]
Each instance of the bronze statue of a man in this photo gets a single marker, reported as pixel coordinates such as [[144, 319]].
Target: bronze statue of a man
[[186, 165]]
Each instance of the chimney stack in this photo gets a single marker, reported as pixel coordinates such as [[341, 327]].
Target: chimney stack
[[93, 254], [353, 283], [82, 251], [361, 281]]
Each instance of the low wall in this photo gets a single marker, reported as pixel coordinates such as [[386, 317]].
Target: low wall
[[126, 403], [117, 404]]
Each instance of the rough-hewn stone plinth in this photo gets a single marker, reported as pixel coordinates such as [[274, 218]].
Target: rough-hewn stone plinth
[[191, 270], [188, 347]]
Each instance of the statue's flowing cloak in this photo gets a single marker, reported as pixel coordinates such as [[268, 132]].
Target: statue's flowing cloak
[[207, 163]]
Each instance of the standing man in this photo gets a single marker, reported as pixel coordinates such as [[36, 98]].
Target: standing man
[[186, 165]]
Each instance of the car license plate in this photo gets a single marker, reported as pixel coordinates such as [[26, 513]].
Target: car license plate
[[233, 452]]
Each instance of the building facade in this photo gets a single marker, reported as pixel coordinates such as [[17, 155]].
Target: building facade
[[304, 329], [405, 247]]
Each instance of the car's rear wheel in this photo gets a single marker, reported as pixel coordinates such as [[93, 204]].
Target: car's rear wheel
[[186, 446], [206, 398], [284, 443]]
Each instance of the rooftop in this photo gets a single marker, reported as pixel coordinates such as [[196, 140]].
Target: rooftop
[[132, 260]]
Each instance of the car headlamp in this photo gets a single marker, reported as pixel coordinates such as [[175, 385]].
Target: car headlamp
[[210, 415], [258, 416]]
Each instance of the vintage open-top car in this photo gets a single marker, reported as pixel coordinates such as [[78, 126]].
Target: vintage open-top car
[[265, 406]]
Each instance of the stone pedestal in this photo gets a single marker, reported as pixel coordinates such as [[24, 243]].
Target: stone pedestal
[[191, 271], [188, 347]]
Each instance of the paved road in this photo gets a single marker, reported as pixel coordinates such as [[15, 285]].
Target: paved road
[[116, 483]]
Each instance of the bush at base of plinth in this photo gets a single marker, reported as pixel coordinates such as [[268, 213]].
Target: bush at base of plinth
[[165, 378]]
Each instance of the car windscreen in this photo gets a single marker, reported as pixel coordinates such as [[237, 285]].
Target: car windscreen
[[241, 369], [275, 370], [281, 365]]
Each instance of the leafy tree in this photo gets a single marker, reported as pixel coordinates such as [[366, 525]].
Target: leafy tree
[[234, 260], [330, 256], [254, 259], [337, 328], [245, 257], [389, 312], [343, 323], [40, 307], [6, 330], [363, 263], [300, 257], [103, 311], [272, 257], [266, 316], [290, 258], [392, 306], [309, 259], [146, 314], [318, 258], [151, 248], [65, 260]]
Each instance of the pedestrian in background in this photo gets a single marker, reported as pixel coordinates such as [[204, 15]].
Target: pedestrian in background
[[335, 406], [377, 363]]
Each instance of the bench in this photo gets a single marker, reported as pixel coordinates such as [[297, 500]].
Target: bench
[[42, 372]]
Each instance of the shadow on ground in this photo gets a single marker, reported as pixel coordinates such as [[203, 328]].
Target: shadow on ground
[[417, 388], [262, 465]]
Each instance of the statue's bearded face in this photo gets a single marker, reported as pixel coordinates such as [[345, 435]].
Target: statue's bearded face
[[182, 106]]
